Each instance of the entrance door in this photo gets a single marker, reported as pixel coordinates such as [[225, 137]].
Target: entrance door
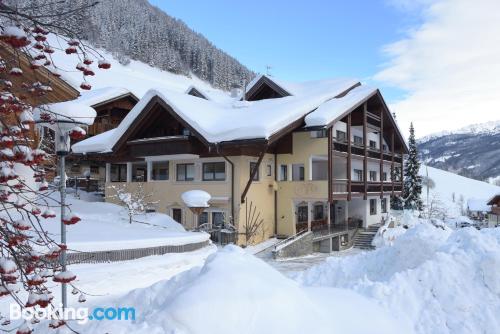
[[177, 215]]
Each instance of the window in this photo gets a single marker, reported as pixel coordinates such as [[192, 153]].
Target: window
[[384, 176], [160, 171], [253, 165], [373, 144], [384, 147], [186, 132], [217, 219], [283, 173], [341, 136], [358, 175], [177, 215], [139, 173], [319, 134], [214, 171], [373, 175], [383, 205], [298, 172], [373, 207], [302, 213], [94, 169], [358, 140], [318, 212], [185, 172], [118, 173], [269, 170], [203, 218]]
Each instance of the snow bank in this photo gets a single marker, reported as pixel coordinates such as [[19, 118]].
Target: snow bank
[[236, 292], [440, 280]]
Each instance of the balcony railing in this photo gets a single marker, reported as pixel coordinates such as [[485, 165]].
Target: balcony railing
[[340, 186], [358, 149]]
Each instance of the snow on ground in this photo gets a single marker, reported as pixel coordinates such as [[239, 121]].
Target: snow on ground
[[236, 292], [440, 280], [105, 226], [448, 184], [100, 281]]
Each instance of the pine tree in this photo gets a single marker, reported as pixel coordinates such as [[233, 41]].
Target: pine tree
[[412, 181]]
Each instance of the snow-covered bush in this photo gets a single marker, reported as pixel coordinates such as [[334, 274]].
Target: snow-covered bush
[[135, 202]]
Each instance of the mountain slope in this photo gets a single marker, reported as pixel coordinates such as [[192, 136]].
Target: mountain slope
[[451, 189], [137, 30], [473, 151]]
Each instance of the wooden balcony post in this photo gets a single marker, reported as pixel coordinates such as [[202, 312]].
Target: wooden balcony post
[[330, 164], [365, 151], [349, 181], [393, 171], [402, 172], [381, 144]]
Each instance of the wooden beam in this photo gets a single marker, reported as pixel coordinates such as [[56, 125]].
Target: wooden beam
[[349, 156], [330, 166], [402, 171], [381, 144], [365, 151], [253, 172], [393, 172]]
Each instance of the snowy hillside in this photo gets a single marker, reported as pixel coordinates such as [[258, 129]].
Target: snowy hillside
[[448, 185], [135, 76], [473, 151]]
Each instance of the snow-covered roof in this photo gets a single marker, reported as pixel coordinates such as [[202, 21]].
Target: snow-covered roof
[[69, 112], [337, 107], [304, 88], [232, 120], [95, 97], [474, 204]]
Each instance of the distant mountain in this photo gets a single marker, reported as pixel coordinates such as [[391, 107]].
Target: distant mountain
[[473, 151], [137, 30]]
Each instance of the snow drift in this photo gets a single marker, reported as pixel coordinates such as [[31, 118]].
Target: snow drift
[[236, 292], [440, 280]]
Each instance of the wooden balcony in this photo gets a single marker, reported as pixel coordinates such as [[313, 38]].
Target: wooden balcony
[[341, 186], [374, 153], [495, 210]]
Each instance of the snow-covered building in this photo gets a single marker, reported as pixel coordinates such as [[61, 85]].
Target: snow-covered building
[[477, 208], [111, 104], [494, 212], [313, 155]]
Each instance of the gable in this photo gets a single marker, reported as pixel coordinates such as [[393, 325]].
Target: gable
[[265, 88]]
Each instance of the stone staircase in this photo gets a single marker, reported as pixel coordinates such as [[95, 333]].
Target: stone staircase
[[363, 239]]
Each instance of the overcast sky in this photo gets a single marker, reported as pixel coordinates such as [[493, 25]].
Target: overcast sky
[[437, 62]]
